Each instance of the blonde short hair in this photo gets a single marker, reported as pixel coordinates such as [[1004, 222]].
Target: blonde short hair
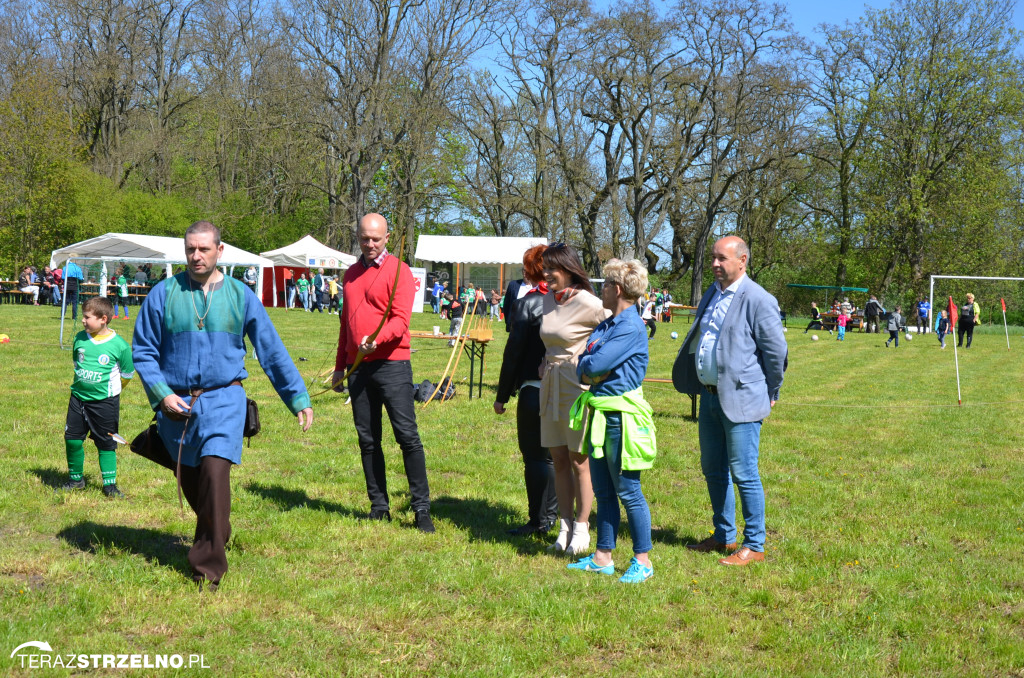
[[630, 275]]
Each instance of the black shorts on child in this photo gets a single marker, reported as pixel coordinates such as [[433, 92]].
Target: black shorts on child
[[96, 419]]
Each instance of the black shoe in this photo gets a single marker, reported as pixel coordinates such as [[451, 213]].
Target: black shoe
[[379, 514], [112, 491], [202, 582], [423, 521], [523, 530], [73, 485]]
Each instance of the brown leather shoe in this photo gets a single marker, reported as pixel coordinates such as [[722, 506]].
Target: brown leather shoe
[[742, 557], [711, 544]]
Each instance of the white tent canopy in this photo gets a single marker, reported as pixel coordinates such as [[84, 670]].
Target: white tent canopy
[[469, 249], [308, 252], [148, 249]]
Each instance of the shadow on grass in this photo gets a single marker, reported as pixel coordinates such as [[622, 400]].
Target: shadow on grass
[[51, 477], [161, 548], [486, 521], [289, 500], [669, 537]]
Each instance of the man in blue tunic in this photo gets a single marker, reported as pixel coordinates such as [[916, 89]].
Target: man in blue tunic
[[189, 351]]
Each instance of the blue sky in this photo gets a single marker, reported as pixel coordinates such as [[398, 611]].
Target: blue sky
[[808, 14]]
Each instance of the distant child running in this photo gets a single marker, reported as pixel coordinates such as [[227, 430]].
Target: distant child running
[[841, 321], [894, 327], [455, 311], [103, 363], [815, 323], [121, 287], [942, 328]]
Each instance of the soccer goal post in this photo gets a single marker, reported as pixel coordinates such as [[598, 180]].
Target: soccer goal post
[[931, 290]]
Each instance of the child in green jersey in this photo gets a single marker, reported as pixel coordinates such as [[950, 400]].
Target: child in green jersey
[[121, 288], [103, 364]]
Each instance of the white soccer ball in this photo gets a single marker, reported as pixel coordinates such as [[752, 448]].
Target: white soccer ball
[[785, 329], [909, 337], [674, 335], [814, 337]]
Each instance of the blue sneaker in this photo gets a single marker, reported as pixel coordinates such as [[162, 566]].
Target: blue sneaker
[[588, 565], [637, 573]]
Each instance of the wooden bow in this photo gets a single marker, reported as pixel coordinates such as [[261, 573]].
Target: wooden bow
[[372, 337]]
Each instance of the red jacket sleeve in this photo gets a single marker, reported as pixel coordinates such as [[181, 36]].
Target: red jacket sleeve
[[397, 323]]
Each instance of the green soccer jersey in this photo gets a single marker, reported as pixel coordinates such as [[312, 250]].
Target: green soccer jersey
[[100, 364], [122, 287]]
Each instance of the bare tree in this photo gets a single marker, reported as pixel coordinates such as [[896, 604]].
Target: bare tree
[[548, 75], [357, 51], [740, 44], [843, 94]]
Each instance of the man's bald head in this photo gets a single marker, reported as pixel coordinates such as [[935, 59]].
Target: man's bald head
[[373, 236], [729, 259]]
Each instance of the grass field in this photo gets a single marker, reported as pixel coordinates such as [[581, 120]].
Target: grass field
[[895, 531]]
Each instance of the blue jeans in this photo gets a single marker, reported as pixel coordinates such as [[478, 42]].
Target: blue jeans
[[842, 333], [435, 304], [728, 454], [304, 297], [292, 291], [612, 484]]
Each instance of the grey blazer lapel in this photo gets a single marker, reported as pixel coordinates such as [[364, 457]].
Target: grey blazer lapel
[[737, 302], [701, 307]]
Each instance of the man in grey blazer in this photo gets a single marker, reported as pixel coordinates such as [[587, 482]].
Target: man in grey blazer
[[734, 357]]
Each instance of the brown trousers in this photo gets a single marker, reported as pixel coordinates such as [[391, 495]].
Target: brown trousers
[[207, 488]]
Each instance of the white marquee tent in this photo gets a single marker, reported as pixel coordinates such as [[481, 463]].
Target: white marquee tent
[[468, 249], [305, 253], [463, 250], [148, 249]]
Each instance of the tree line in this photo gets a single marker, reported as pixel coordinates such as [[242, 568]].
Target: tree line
[[873, 154]]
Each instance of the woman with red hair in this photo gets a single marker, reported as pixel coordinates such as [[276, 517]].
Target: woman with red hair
[[520, 371]]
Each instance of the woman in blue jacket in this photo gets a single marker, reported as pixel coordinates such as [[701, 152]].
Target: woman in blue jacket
[[619, 429]]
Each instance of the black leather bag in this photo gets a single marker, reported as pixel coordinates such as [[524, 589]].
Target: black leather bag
[[149, 445], [252, 420]]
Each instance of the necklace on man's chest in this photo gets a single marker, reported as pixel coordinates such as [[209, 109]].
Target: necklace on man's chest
[[201, 319]]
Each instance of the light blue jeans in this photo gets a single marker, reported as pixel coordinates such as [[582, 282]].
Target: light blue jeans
[[612, 484], [728, 454], [304, 297]]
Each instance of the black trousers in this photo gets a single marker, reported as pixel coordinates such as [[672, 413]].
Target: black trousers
[[207, 488], [538, 469], [872, 324], [964, 327], [387, 384], [652, 326], [71, 299]]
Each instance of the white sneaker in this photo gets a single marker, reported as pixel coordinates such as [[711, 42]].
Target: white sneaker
[[580, 543], [563, 536]]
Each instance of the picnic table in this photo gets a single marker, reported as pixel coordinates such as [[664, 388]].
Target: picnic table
[[686, 312], [10, 294], [475, 346], [856, 321]]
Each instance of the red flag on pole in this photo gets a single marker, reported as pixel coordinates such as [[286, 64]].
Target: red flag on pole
[[952, 314], [1003, 302]]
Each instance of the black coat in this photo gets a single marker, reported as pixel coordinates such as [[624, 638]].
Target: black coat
[[524, 351]]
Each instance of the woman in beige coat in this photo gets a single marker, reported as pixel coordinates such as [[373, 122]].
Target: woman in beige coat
[[571, 312]]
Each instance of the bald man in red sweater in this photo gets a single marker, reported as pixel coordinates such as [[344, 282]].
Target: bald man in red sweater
[[384, 377]]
